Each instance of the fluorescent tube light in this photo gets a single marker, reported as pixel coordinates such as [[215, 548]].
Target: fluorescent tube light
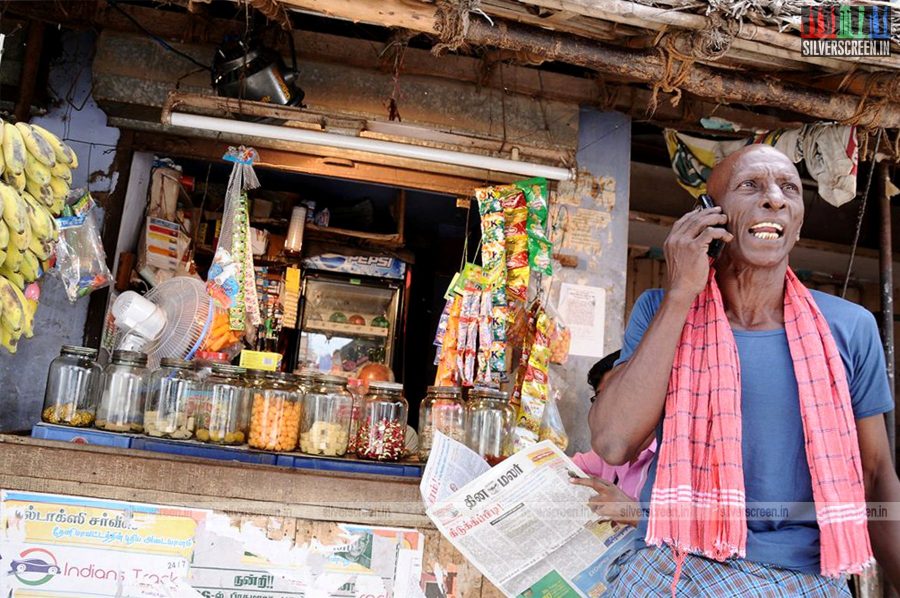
[[376, 146]]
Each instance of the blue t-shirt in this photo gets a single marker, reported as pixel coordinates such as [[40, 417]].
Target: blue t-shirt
[[774, 457]]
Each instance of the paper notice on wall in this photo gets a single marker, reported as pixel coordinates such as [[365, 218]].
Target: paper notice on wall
[[582, 231], [583, 309]]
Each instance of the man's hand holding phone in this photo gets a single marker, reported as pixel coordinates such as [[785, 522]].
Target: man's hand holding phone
[[687, 249]]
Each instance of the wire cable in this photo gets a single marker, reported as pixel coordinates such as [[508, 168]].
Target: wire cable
[[862, 212]]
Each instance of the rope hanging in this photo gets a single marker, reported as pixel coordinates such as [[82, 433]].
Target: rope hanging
[[452, 23]]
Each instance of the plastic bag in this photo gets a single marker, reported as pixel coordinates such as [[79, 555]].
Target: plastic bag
[[552, 428], [80, 259]]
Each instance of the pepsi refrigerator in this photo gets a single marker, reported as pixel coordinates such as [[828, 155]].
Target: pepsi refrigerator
[[352, 311]]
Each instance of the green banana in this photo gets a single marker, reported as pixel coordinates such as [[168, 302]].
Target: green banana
[[36, 145], [14, 151], [37, 171], [62, 152], [62, 171], [30, 268], [15, 278], [13, 309], [14, 211]]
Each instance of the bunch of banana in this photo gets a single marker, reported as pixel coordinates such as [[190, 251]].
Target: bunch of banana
[[37, 169]]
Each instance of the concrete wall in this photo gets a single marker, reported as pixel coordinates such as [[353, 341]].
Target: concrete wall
[[601, 191], [77, 119]]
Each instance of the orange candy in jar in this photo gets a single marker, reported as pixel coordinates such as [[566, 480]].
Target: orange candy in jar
[[275, 412]]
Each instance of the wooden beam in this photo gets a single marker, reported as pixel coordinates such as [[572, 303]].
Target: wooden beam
[[749, 37], [34, 43], [646, 66]]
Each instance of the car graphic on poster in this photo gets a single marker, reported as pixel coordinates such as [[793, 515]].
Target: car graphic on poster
[[34, 567]]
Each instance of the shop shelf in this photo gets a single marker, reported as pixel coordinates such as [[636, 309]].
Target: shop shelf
[[349, 465], [345, 329], [82, 435], [189, 448]]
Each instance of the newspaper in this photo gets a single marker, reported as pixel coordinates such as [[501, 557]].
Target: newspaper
[[522, 524]]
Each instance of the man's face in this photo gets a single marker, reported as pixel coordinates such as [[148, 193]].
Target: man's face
[[763, 200]]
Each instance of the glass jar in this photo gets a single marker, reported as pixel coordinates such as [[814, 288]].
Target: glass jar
[[382, 426], [171, 400], [489, 424], [70, 397], [442, 409], [275, 412], [354, 386], [326, 417], [122, 393], [204, 361], [225, 418]]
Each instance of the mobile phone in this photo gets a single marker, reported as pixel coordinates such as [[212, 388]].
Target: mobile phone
[[716, 245]]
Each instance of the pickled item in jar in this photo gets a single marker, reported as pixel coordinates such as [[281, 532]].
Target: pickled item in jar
[[385, 440], [274, 423], [70, 397]]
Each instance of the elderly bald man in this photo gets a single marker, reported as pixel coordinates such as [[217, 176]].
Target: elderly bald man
[[767, 400]]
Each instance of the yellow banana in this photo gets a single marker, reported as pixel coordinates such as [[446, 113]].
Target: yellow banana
[[14, 151], [21, 240], [13, 260], [36, 145], [62, 171], [3, 254], [42, 223], [42, 249], [14, 211], [2, 160], [16, 181], [57, 207], [8, 340], [36, 171], [30, 268], [4, 235], [15, 278], [28, 325], [73, 165], [13, 309], [44, 193], [59, 188], [61, 151]]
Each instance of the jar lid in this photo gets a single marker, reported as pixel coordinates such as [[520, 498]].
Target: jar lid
[[129, 357], [224, 368], [212, 356], [174, 362], [256, 373], [330, 379], [80, 351], [444, 390], [388, 386], [283, 376], [489, 393]]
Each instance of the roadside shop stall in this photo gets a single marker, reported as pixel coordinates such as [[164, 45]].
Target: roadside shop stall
[[301, 297]]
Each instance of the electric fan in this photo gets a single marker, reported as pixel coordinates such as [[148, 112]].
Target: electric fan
[[170, 321]]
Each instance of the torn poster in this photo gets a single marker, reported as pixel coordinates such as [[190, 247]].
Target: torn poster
[[582, 230]]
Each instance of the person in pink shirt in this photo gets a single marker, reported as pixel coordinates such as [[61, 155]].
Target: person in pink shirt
[[617, 486]]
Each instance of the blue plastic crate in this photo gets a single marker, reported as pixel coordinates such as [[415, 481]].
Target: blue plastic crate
[[189, 448], [406, 470], [82, 435]]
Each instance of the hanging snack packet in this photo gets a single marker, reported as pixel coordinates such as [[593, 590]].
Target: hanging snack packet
[[535, 387], [493, 262], [485, 339], [552, 428], [515, 213], [80, 259], [540, 249], [448, 373]]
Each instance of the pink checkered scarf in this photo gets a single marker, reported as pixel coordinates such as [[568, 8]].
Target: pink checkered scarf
[[698, 502]]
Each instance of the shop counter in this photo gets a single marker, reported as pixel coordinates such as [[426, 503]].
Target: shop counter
[[294, 502]]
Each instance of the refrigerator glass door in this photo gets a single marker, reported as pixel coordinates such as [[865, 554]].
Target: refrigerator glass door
[[346, 325]]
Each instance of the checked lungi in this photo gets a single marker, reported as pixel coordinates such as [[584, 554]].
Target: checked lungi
[[649, 572]]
